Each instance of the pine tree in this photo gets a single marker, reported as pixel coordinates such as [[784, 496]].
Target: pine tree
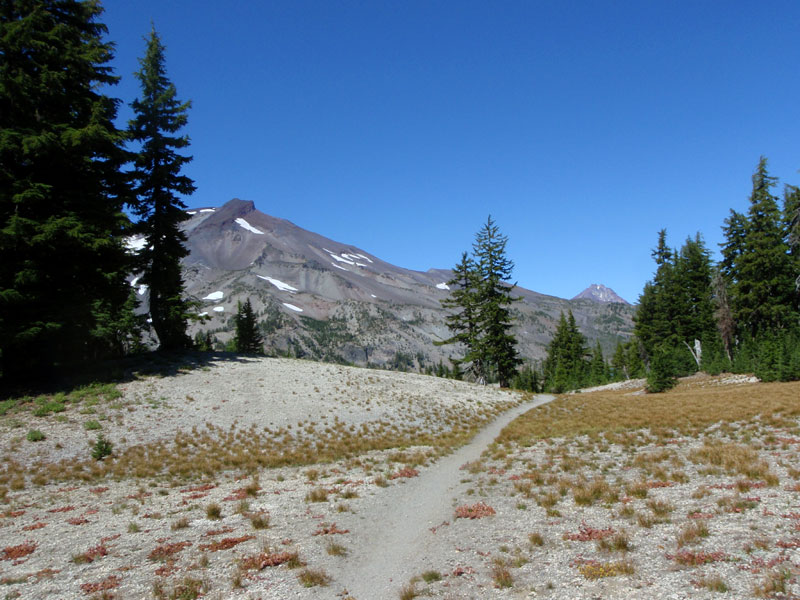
[[598, 370], [618, 366], [248, 338], [480, 297], [565, 366], [63, 265], [464, 322], [762, 279], [159, 115], [497, 345]]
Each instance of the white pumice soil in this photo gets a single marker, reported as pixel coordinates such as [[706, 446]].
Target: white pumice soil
[[389, 516]]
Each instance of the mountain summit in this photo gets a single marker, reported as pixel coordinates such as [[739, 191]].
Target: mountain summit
[[597, 292], [318, 298]]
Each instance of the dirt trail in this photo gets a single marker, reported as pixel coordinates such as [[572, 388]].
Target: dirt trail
[[394, 535]]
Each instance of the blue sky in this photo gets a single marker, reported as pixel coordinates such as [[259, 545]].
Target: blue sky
[[398, 126]]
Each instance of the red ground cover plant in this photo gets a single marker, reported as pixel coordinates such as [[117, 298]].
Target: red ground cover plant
[[164, 551], [265, 559], [218, 531], [199, 488], [474, 511], [62, 509], [692, 558], [330, 530], [92, 553], [588, 534], [19, 551], [406, 472], [109, 583], [168, 569], [225, 543], [77, 521], [33, 526]]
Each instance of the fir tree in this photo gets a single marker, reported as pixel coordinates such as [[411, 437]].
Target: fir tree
[[497, 345], [248, 338], [762, 278], [159, 115], [464, 322], [63, 266], [480, 297], [598, 370], [618, 367], [565, 366]]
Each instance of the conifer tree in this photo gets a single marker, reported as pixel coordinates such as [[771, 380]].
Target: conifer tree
[[481, 297], [159, 115], [598, 370], [762, 278], [565, 366], [618, 369], [497, 345], [248, 338], [464, 322], [63, 266]]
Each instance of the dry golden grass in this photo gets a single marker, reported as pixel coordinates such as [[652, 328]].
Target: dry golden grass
[[207, 451], [688, 409]]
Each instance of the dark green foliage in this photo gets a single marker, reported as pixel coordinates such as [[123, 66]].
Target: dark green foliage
[[497, 345], [204, 341], [464, 322], [527, 379], [675, 309], [757, 263], [34, 435], [566, 366], [661, 376], [102, 448], [481, 297], [159, 115], [248, 337], [62, 262], [598, 370]]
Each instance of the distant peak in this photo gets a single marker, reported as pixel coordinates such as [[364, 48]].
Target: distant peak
[[597, 292]]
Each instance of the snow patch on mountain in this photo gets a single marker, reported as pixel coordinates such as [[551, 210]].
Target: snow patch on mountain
[[597, 292], [242, 223], [218, 295], [284, 287], [442, 286], [219, 309], [292, 307]]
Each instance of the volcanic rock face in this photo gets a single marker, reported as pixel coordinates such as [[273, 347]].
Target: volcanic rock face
[[319, 298], [597, 292]]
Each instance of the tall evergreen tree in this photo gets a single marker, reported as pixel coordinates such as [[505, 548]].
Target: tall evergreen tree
[[248, 338], [565, 366], [159, 115], [762, 276], [497, 345], [481, 297], [63, 266], [464, 322]]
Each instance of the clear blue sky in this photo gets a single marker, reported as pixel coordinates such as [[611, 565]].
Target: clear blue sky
[[398, 126]]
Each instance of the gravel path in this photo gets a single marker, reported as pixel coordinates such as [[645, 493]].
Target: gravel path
[[397, 541]]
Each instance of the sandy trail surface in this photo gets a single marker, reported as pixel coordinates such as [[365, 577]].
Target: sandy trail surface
[[397, 533]]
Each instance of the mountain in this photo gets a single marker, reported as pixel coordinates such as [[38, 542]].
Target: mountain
[[319, 298], [597, 292]]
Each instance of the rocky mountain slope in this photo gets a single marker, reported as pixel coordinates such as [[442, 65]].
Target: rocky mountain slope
[[319, 298]]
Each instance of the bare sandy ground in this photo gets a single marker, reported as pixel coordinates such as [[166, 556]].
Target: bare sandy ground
[[373, 525]]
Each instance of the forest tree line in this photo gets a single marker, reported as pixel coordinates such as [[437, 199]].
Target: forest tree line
[[739, 315], [69, 177]]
